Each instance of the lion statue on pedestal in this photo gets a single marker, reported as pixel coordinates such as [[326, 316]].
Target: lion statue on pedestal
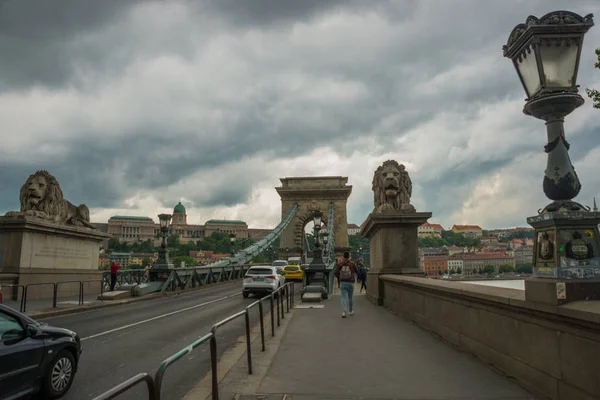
[[392, 188], [41, 197]]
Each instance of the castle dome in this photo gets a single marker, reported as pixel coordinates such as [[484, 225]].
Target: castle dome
[[179, 209]]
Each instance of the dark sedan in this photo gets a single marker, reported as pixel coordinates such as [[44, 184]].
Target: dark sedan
[[35, 357]]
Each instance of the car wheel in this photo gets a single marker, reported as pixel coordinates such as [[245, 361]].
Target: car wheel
[[245, 294], [59, 375]]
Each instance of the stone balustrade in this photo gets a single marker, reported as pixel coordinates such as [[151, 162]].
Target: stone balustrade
[[552, 350]]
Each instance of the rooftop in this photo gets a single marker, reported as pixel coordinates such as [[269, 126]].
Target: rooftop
[[179, 208], [131, 218], [225, 222]]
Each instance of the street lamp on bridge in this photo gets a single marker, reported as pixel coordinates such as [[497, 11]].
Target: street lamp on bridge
[[160, 271], [316, 274], [545, 53], [232, 243]]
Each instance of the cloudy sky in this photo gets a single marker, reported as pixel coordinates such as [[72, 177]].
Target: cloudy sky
[[135, 105]]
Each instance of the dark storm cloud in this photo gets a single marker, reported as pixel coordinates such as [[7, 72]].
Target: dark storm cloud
[[36, 36], [402, 92], [253, 13]]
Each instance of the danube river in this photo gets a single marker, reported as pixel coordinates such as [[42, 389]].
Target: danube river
[[510, 284]]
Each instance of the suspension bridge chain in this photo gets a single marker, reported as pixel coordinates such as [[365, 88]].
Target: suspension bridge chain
[[246, 255], [329, 253]]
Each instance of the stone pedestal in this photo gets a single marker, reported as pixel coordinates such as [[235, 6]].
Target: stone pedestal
[[566, 258], [35, 251], [394, 247]]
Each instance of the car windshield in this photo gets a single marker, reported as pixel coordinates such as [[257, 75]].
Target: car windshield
[[260, 271], [291, 268], [279, 263]]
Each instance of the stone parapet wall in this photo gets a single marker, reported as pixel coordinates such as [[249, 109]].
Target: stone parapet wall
[[552, 350]]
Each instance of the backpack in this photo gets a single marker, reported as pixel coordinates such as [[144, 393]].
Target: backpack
[[346, 273]]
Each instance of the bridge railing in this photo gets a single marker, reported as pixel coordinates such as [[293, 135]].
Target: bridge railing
[[14, 296], [285, 292], [179, 278]]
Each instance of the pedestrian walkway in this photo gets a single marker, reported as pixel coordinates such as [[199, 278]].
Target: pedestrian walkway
[[375, 355]]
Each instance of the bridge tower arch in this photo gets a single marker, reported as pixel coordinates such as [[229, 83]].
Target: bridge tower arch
[[313, 193]]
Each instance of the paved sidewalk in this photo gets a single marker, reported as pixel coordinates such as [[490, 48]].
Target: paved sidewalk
[[375, 355]]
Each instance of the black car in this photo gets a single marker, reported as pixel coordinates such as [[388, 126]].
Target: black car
[[35, 357]]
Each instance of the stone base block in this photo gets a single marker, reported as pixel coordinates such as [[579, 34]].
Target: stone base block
[[42, 254], [393, 240], [375, 286], [115, 295], [311, 297], [560, 291]]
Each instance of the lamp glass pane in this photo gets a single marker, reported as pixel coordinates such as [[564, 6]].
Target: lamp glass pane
[[528, 69], [559, 64], [317, 220]]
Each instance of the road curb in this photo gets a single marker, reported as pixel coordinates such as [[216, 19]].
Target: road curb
[[108, 303]]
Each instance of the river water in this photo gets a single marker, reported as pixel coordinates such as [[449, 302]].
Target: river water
[[510, 284]]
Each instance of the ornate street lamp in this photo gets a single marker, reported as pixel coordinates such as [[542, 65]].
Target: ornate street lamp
[[315, 274], [232, 243], [162, 263], [545, 53]]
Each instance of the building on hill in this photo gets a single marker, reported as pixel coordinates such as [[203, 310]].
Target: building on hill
[[139, 229], [473, 231], [524, 255], [428, 230], [456, 263], [425, 252], [123, 259], [353, 229], [435, 265], [482, 259], [454, 249]]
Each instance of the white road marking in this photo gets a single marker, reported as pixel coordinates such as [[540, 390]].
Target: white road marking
[[159, 317]]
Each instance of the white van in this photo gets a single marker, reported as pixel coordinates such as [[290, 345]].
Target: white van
[[294, 260]]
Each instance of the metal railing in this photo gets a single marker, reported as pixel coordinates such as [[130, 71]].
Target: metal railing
[[285, 292], [55, 291], [179, 278]]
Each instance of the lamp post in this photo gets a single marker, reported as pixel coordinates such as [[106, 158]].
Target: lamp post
[[315, 274], [545, 53], [232, 243], [160, 270]]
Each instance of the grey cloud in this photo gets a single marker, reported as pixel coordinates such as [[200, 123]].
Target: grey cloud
[[252, 13], [151, 156], [36, 36]]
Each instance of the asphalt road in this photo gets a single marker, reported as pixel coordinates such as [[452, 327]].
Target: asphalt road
[[120, 342]]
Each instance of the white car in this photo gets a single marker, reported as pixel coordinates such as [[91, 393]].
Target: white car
[[262, 279]]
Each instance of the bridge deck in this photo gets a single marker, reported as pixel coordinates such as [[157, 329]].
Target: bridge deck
[[375, 355]]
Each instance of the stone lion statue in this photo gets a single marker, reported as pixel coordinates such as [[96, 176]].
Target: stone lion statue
[[42, 197], [392, 188]]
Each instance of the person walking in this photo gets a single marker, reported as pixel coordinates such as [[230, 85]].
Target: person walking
[[346, 272], [114, 268], [362, 276]]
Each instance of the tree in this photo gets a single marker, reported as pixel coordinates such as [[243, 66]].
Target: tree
[[506, 268], [146, 261], [488, 269], [173, 241], [593, 93], [525, 269], [186, 259], [459, 271]]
